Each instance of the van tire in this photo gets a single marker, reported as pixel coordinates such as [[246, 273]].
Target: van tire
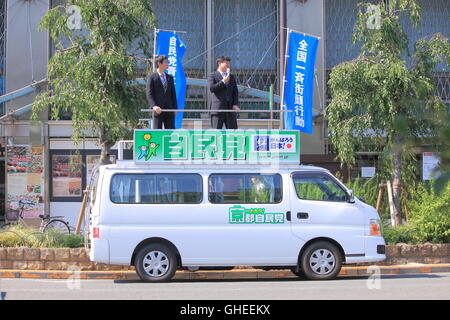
[[321, 260], [163, 258]]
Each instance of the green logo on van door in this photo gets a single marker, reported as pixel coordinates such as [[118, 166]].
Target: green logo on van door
[[239, 214]]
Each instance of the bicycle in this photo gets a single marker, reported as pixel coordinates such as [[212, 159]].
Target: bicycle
[[47, 222]]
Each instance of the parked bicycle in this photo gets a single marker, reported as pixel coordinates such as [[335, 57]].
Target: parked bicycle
[[47, 223]]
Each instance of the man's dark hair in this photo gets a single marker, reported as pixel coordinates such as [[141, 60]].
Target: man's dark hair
[[160, 59], [222, 59]]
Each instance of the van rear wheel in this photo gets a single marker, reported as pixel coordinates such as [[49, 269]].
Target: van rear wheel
[[321, 261], [156, 263]]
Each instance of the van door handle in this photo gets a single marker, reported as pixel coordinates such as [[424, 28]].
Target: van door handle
[[302, 215], [288, 216]]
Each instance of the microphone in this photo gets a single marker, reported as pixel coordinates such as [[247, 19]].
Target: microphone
[[228, 71]]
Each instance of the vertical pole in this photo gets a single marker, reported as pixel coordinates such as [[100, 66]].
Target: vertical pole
[[380, 197], [283, 84], [271, 101], [209, 46], [155, 34], [282, 21], [82, 211], [391, 204], [120, 150]]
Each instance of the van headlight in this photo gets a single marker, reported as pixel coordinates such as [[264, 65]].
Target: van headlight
[[375, 229]]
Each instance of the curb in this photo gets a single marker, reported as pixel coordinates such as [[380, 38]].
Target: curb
[[223, 275]]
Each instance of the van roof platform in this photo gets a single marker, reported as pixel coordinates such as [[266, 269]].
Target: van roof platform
[[130, 164]]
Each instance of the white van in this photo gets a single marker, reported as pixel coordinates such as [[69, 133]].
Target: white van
[[160, 218]]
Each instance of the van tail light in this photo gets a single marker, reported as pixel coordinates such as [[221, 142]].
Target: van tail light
[[375, 229], [96, 233]]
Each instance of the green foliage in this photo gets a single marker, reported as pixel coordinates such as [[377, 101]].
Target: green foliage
[[368, 190], [378, 103], [73, 241], [399, 234], [91, 71], [309, 191], [374, 93], [430, 214], [15, 236], [443, 145]]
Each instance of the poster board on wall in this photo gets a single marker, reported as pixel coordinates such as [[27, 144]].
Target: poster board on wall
[[67, 175], [24, 181]]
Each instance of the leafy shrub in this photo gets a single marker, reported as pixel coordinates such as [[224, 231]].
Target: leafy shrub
[[368, 189], [73, 241], [15, 236], [430, 214], [400, 234], [10, 239]]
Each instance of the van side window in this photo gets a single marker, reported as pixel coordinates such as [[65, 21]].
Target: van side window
[[318, 187], [245, 188], [156, 188]]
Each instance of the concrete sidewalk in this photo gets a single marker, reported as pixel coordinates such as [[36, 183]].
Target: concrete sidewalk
[[224, 275]]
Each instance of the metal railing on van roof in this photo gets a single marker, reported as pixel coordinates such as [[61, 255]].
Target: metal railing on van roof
[[270, 120]]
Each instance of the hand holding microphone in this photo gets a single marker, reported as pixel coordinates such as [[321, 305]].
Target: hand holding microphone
[[227, 78]]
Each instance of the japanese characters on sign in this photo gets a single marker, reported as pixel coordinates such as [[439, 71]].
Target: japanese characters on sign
[[239, 214], [300, 81], [172, 56], [215, 146], [169, 44]]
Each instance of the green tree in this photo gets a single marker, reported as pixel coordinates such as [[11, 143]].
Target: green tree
[[91, 71], [379, 103]]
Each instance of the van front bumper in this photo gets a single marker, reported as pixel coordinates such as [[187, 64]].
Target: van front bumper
[[375, 251]]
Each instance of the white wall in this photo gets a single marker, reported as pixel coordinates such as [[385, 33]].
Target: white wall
[[70, 211]]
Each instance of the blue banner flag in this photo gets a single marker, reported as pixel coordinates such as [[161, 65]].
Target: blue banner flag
[[170, 45], [298, 90]]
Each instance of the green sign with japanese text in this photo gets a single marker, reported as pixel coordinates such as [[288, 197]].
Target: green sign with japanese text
[[239, 214], [216, 146]]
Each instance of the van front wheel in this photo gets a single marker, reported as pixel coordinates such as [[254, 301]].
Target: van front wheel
[[156, 263], [321, 261]]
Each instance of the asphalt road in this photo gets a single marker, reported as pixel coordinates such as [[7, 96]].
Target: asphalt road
[[390, 287]]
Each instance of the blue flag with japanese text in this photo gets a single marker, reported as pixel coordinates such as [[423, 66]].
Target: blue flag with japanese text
[[298, 90], [170, 45]]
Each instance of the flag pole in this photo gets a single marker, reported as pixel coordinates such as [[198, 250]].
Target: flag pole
[[155, 34], [283, 84], [301, 32]]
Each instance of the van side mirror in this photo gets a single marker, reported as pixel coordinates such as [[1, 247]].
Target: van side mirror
[[351, 196]]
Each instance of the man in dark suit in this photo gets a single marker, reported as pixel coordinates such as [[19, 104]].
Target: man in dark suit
[[160, 89], [224, 91]]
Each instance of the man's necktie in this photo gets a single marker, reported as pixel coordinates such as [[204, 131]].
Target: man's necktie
[[164, 82]]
